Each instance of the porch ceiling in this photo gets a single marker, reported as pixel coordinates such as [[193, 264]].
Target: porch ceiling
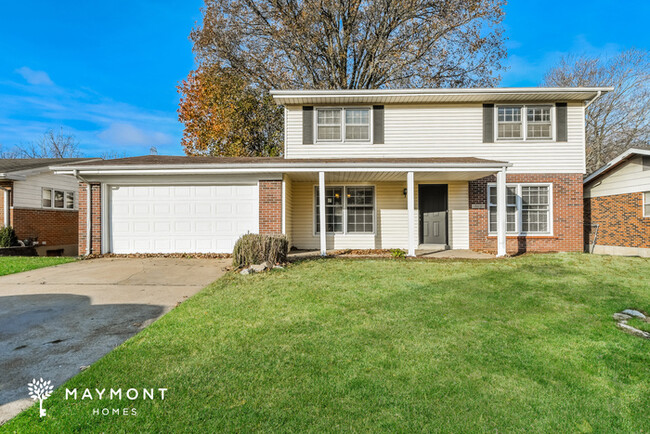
[[389, 176]]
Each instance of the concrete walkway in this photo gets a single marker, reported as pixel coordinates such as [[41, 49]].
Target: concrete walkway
[[55, 320]]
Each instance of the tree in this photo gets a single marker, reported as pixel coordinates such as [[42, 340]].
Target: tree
[[354, 44], [620, 119], [50, 145], [223, 115]]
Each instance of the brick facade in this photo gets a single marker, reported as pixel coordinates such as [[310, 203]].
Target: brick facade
[[620, 219], [95, 216], [567, 216], [270, 207], [52, 227]]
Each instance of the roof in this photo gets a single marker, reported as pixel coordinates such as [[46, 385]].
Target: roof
[[265, 164], [406, 96], [14, 165], [630, 153]]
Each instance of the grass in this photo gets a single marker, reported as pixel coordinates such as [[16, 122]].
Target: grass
[[16, 264], [525, 344]]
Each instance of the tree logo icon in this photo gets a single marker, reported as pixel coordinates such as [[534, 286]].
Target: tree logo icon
[[40, 390]]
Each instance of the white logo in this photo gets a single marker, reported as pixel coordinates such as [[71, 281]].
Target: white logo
[[40, 390]]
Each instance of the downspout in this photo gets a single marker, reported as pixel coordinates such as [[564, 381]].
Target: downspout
[[88, 209], [598, 95]]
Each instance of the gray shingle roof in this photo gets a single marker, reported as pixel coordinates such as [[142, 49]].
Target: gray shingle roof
[[8, 165]]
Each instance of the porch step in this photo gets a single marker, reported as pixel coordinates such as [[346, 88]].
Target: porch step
[[434, 247]]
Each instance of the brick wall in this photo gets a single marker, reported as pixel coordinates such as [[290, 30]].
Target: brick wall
[[95, 215], [620, 219], [567, 216], [270, 207], [53, 227]]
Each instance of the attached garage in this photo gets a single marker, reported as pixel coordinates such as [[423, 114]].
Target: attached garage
[[180, 218]]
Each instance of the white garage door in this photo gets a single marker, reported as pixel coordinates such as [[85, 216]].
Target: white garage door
[[181, 219]]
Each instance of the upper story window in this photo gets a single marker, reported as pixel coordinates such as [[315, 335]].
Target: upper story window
[[333, 124], [51, 198], [520, 122]]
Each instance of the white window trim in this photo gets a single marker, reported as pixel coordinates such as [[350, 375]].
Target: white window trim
[[345, 210], [524, 124], [343, 124], [519, 232], [644, 203], [65, 193]]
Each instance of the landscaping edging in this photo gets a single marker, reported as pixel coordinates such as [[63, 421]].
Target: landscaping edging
[[18, 251]]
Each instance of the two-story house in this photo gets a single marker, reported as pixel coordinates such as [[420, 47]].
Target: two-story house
[[497, 170]]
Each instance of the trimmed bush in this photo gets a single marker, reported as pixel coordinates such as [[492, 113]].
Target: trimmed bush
[[8, 237], [256, 248]]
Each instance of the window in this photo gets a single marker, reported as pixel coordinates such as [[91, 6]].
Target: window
[[329, 124], [69, 200], [51, 198], [46, 200], [536, 124], [352, 124], [360, 206], [357, 125], [333, 209], [528, 209], [646, 204], [355, 213]]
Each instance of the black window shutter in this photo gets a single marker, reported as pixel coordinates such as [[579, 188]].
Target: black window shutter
[[561, 134], [307, 125], [488, 123], [378, 124]]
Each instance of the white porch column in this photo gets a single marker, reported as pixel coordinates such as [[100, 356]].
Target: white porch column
[[501, 213], [6, 208], [321, 213], [410, 204]]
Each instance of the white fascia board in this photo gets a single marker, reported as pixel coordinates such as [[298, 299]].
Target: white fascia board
[[616, 161], [448, 91]]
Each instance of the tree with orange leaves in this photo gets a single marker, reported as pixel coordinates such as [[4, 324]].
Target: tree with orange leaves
[[225, 116]]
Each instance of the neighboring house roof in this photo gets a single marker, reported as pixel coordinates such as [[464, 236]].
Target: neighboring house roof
[[630, 153], [399, 96], [18, 168], [161, 162]]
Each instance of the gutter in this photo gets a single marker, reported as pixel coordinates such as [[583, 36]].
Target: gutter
[[592, 100]]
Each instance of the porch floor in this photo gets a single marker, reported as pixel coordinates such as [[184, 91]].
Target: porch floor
[[420, 253]]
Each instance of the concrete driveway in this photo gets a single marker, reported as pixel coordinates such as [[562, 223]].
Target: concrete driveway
[[56, 320]]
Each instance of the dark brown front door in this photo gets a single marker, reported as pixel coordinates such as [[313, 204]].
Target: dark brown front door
[[433, 213]]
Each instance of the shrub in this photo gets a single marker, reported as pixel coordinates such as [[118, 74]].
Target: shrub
[[256, 248], [8, 237], [398, 253]]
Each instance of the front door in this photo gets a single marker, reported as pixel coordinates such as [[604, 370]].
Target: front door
[[433, 213]]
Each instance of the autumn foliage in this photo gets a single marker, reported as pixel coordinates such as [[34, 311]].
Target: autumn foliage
[[224, 116]]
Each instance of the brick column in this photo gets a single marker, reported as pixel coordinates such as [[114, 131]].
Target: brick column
[[270, 207], [95, 216]]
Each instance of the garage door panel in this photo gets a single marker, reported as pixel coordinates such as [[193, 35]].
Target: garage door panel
[[181, 219]]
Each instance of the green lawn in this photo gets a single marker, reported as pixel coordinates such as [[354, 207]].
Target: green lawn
[[16, 264], [523, 344]]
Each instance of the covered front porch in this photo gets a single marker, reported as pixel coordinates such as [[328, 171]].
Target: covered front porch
[[417, 205]]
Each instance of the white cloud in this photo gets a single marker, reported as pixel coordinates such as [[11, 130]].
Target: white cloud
[[37, 78], [128, 134]]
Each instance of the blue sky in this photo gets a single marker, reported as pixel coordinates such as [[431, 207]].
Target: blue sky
[[107, 71]]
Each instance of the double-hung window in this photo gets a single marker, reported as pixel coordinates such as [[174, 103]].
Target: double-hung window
[[528, 209], [520, 122], [347, 209], [646, 204], [343, 124], [58, 199]]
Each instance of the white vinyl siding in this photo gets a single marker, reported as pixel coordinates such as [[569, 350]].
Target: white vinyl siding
[[29, 193], [448, 130], [629, 177], [391, 227]]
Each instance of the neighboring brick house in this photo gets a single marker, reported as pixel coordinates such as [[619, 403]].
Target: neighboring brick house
[[617, 206], [497, 170], [40, 205]]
